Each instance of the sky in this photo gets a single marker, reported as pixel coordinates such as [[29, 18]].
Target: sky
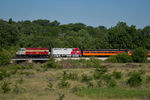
[[90, 12]]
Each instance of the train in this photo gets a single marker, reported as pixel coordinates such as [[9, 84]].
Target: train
[[69, 52]]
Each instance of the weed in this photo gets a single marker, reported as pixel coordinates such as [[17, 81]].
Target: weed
[[76, 88], [65, 75], [135, 79], [20, 81], [117, 75], [85, 78], [5, 87], [99, 72], [63, 84], [3, 74], [38, 69], [51, 63], [50, 86], [72, 76], [26, 73], [148, 79], [90, 85], [112, 83], [16, 89], [61, 97]]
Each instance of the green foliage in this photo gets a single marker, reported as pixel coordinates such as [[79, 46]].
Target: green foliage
[[135, 79], [5, 87], [120, 58], [51, 63], [50, 85], [96, 62], [76, 88], [139, 55], [3, 74], [112, 59], [52, 34], [113, 93], [61, 97], [20, 81], [4, 57], [85, 78], [73, 76], [148, 79], [99, 71], [63, 84], [16, 89], [117, 75]]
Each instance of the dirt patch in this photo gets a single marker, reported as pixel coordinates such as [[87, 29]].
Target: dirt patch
[[131, 65]]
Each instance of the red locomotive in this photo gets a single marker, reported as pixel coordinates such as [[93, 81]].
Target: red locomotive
[[33, 52]]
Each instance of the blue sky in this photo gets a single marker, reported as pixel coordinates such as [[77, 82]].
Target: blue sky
[[89, 12]]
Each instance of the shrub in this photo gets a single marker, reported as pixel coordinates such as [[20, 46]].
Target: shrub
[[148, 79], [50, 85], [140, 55], [16, 89], [72, 76], [76, 88], [51, 63], [112, 59], [65, 75], [63, 84], [99, 71], [120, 58], [123, 58], [61, 97], [90, 84], [3, 74], [96, 62], [135, 79], [5, 87], [20, 81], [85, 78], [112, 83], [4, 57], [117, 75]]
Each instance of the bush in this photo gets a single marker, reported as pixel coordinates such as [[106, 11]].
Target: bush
[[4, 57], [111, 59], [3, 74], [51, 63], [16, 89], [140, 55], [117, 75], [99, 72], [63, 84], [135, 79], [123, 58], [148, 79], [85, 78], [96, 62], [61, 97], [112, 83], [5, 87], [72, 76], [120, 58], [50, 85]]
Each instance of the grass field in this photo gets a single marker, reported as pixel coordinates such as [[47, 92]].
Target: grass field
[[34, 82]]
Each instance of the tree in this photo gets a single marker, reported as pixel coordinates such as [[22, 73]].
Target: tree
[[140, 55]]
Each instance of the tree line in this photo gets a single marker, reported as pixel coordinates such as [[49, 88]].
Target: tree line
[[44, 33], [52, 34]]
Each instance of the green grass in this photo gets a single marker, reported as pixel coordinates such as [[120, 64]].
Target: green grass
[[115, 92]]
